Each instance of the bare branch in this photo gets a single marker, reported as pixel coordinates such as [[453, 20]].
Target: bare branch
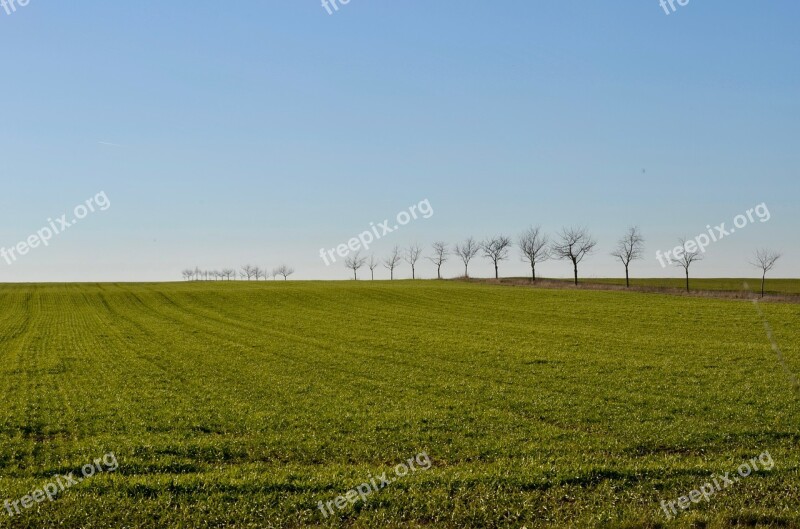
[[440, 253], [574, 244], [413, 254], [372, 264], [765, 260], [686, 256], [354, 263], [466, 251], [533, 244], [629, 248], [392, 261], [496, 249]]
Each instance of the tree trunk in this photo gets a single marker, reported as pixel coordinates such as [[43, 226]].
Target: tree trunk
[[413, 273], [763, 278], [627, 280], [439, 272], [576, 272], [687, 280], [533, 273], [496, 272], [466, 270]]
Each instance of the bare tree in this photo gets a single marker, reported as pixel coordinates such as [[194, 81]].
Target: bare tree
[[354, 263], [765, 260], [534, 247], [686, 257], [284, 271], [188, 274], [228, 273], [440, 253], [392, 261], [573, 244], [496, 249], [412, 256], [466, 251], [629, 248], [247, 272], [372, 264], [256, 270]]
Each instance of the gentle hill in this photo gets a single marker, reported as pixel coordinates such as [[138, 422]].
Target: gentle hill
[[251, 402]]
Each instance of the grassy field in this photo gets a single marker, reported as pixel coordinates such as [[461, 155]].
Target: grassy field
[[243, 405]]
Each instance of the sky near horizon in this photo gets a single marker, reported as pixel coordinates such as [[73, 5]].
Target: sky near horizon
[[262, 132]]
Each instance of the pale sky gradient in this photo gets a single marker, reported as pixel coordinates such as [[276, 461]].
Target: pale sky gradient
[[259, 132]]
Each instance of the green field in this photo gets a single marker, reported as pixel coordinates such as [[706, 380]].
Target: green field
[[245, 404]]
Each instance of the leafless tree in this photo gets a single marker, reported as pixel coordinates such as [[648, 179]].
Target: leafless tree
[[686, 257], [247, 272], [372, 264], [573, 244], [496, 249], [197, 274], [284, 271], [392, 261], [629, 248], [188, 274], [440, 253], [229, 273], [765, 260], [354, 263], [257, 272], [466, 251], [413, 254], [534, 246]]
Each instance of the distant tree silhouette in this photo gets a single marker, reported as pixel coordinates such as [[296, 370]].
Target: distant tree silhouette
[[496, 249], [533, 245], [629, 248], [392, 261], [574, 244], [765, 260], [466, 251], [354, 263], [440, 253]]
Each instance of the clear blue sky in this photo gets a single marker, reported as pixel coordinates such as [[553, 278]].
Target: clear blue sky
[[235, 132]]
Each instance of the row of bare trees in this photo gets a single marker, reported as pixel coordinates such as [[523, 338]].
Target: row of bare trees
[[571, 244], [246, 272]]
